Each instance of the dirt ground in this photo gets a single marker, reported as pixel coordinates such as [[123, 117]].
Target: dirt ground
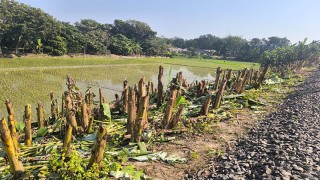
[[198, 148], [202, 148]]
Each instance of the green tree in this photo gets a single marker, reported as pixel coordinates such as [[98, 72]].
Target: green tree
[[75, 39], [96, 36], [24, 25], [252, 50], [208, 42], [5, 18], [157, 46], [136, 31], [56, 46], [275, 42], [178, 42], [122, 45], [233, 46]]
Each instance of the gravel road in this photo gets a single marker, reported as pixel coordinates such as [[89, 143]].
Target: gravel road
[[285, 145]]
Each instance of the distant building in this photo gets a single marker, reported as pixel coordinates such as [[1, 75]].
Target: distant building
[[177, 50]]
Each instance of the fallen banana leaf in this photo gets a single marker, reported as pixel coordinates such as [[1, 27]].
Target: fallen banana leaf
[[165, 139], [174, 159], [142, 147], [252, 101], [42, 132], [255, 107], [232, 96], [90, 137], [259, 112], [274, 80], [106, 110], [122, 120], [128, 172], [161, 156]]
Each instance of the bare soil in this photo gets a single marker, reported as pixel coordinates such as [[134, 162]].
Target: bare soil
[[197, 146]]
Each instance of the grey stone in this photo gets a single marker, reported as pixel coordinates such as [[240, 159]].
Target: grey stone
[[285, 173], [285, 144], [305, 175], [268, 170], [297, 168]]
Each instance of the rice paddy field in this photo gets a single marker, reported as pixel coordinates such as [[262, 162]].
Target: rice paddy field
[[31, 79]]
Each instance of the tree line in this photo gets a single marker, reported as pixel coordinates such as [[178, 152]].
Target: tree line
[[30, 30], [234, 47]]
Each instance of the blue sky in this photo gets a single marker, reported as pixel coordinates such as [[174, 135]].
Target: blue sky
[[294, 19]]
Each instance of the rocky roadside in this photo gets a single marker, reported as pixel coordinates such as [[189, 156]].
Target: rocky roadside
[[285, 145]]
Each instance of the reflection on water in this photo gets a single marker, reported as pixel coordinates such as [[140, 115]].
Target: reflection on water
[[33, 86], [113, 83]]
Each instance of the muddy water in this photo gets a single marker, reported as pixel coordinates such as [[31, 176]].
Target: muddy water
[[31, 86]]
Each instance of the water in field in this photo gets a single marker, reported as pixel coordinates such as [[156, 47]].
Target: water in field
[[30, 86]]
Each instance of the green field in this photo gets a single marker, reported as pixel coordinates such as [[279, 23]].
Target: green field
[[61, 61], [29, 80]]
